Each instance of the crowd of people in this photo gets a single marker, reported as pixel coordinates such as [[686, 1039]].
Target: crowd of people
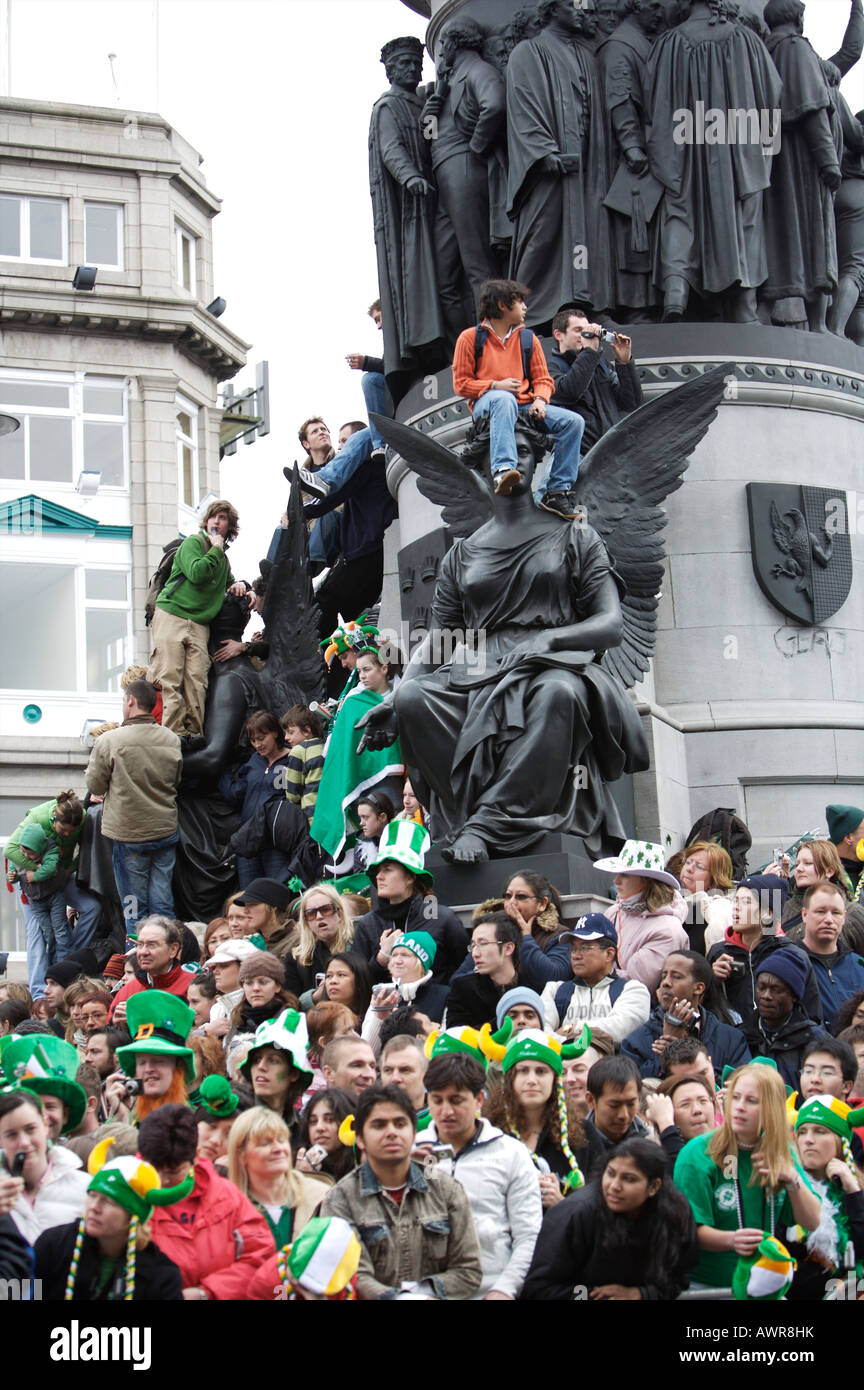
[[362, 1095]]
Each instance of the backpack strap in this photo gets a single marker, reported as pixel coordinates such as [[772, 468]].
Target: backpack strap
[[526, 343]]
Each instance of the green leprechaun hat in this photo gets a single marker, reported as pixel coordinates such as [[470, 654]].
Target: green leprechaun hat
[[287, 1032], [766, 1274], [47, 1066], [215, 1096], [404, 842], [462, 1039], [160, 1024]]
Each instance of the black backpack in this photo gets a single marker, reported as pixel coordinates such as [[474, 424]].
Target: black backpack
[[526, 342], [160, 578]]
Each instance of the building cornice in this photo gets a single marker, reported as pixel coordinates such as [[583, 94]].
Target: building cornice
[[187, 326]]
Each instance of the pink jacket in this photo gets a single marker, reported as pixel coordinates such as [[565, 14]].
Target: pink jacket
[[646, 939], [215, 1237]]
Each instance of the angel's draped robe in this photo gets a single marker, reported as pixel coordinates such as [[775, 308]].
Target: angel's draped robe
[[492, 742]]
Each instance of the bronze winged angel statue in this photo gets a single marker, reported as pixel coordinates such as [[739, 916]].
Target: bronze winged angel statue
[[568, 611]]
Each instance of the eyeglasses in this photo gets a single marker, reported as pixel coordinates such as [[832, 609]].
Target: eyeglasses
[[830, 1072], [326, 911]]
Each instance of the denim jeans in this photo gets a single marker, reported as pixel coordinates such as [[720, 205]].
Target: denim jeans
[[378, 400], [268, 864], [38, 958], [324, 547], [89, 908], [565, 426], [143, 875], [50, 913]]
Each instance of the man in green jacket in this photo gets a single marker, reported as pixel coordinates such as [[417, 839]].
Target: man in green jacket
[[192, 596]]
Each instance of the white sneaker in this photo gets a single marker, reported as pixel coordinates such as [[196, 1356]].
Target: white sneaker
[[310, 481]]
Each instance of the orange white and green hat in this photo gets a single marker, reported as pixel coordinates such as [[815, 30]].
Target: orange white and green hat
[[766, 1274], [349, 637], [130, 1182], [46, 1066], [833, 1114], [324, 1258]]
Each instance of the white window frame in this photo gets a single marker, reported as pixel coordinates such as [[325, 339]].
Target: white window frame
[[24, 202], [84, 605], [192, 441], [74, 555], [76, 381], [183, 237], [119, 215]]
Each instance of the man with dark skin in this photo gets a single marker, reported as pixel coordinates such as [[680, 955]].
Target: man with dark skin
[[781, 1029], [684, 981]]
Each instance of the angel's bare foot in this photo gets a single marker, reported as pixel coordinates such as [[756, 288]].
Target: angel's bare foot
[[466, 849]]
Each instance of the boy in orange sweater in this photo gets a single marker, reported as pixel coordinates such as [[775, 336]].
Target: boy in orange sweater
[[489, 370]]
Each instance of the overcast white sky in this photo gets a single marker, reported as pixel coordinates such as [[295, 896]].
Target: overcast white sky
[[276, 95]]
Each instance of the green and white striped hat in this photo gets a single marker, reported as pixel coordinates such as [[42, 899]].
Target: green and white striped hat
[[404, 842]]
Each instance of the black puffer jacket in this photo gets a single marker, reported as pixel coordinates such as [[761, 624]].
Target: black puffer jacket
[[423, 914]]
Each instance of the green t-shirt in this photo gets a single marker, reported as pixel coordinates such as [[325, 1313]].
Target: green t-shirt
[[714, 1199]]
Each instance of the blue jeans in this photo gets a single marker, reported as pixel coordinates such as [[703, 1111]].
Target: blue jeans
[[89, 909], [378, 400], [565, 426], [268, 864], [38, 959], [354, 453], [143, 874], [50, 914]]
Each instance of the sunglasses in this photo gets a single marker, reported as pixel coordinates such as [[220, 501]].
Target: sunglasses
[[326, 911]]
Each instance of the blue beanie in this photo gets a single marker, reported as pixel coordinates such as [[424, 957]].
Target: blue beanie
[[789, 965], [765, 886], [520, 995]]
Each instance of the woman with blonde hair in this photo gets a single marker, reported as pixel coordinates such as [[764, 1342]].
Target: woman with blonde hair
[[325, 929], [237, 916], [707, 885], [259, 1164], [816, 860], [744, 1178]]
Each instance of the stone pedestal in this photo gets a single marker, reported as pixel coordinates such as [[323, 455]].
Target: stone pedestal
[[742, 707]]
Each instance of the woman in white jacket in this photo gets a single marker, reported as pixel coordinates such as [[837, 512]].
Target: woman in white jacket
[[51, 1186]]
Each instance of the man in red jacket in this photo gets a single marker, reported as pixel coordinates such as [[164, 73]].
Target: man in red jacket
[[493, 370], [158, 952]]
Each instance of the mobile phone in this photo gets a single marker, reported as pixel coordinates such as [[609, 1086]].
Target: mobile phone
[[18, 1164], [319, 979]]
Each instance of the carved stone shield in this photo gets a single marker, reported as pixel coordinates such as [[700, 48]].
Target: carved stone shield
[[802, 554]]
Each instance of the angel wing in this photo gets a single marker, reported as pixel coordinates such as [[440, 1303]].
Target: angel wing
[[623, 482], [294, 672], [465, 501]]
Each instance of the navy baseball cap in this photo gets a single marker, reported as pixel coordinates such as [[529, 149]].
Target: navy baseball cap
[[590, 928]]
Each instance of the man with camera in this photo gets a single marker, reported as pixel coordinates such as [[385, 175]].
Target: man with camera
[[585, 382]]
